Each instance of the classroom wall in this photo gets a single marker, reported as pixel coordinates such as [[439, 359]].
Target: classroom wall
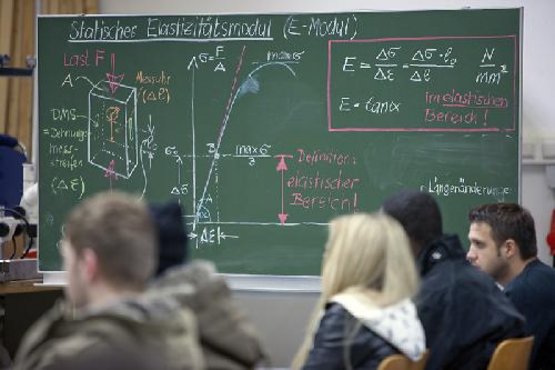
[[281, 316]]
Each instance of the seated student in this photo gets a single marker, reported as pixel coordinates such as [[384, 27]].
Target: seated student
[[227, 338], [463, 312], [503, 244], [364, 313], [109, 253]]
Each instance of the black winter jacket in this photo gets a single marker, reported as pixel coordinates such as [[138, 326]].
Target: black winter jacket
[[463, 312], [365, 351]]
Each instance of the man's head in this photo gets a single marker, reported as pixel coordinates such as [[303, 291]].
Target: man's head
[[109, 241], [419, 214], [502, 238]]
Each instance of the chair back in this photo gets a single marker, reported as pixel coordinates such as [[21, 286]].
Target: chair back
[[512, 354], [400, 362]]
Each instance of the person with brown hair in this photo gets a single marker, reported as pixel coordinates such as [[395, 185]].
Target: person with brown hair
[[109, 252], [503, 244], [463, 312]]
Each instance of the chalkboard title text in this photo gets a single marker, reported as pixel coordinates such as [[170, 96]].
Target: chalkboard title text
[[174, 28]]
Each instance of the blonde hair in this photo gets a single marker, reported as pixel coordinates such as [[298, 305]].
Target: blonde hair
[[367, 255]]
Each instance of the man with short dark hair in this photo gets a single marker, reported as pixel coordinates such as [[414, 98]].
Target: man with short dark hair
[[109, 252], [463, 312], [503, 244]]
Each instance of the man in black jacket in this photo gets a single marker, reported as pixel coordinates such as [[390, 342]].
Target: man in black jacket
[[503, 244], [463, 312]]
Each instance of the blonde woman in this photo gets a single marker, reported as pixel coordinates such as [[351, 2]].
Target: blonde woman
[[364, 313]]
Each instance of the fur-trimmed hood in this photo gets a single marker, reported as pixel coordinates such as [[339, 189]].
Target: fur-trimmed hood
[[227, 338], [397, 324]]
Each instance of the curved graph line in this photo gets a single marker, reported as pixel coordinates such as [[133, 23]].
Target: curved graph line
[[224, 125]]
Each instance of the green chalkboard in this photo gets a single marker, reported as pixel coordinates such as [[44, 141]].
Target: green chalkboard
[[266, 126]]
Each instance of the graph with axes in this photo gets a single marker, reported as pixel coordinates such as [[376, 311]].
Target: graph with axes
[[266, 127]]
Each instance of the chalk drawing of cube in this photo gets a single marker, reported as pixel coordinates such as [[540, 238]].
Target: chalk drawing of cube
[[113, 137]]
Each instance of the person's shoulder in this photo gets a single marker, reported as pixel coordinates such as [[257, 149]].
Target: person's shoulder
[[455, 281], [40, 335], [115, 325], [367, 349], [337, 320], [153, 326], [198, 273], [454, 273], [334, 314], [477, 277], [58, 351], [80, 352], [538, 269], [472, 277], [535, 275], [196, 283], [476, 283], [534, 284]]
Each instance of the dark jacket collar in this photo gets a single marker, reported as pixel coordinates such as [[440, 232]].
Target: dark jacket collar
[[447, 247]]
